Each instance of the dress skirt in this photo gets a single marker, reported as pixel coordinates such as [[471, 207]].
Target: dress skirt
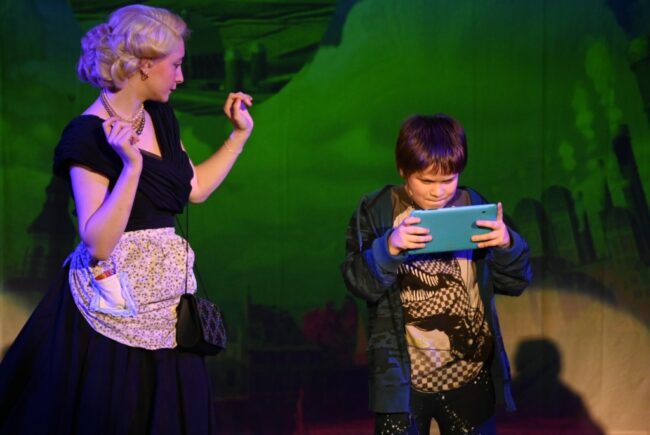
[[62, 377]]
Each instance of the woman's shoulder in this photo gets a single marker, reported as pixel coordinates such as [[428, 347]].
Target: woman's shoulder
[[82, 128], [85, 120], [83, 142], [80, 131]]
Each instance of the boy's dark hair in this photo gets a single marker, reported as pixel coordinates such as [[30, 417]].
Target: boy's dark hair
[[436, 141]]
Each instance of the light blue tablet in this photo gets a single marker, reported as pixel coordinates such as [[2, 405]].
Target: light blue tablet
[[453, 227]]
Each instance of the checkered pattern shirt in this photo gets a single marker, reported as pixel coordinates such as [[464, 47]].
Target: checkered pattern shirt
[[447, 334]]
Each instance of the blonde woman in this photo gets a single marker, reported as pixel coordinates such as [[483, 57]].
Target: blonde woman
[[99, 353]]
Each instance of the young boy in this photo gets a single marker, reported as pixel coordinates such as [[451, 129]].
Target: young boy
[[434, 336]]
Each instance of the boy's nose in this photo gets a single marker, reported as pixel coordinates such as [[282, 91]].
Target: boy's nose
[[437, 191]]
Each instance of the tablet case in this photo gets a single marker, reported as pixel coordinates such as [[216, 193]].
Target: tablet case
[[453, 227]]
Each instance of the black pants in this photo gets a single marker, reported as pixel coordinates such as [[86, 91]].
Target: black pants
[[466, 410]]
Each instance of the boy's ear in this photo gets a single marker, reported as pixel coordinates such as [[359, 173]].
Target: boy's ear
[[401, 173]]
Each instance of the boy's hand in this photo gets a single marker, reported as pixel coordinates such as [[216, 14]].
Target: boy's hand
[[499, 236], [408, 236]]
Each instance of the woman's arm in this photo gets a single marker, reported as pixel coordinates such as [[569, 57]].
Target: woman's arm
[[211, 173], [103, 215]]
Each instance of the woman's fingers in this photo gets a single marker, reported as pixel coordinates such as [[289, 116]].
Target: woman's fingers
[[126, 137], [236, 101], [122, 135], [113, 127], [245, 98], [123, 139]]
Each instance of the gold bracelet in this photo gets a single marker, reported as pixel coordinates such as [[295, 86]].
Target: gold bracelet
[[230, 150]]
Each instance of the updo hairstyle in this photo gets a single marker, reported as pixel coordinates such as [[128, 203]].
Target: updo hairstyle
[[111, 52]]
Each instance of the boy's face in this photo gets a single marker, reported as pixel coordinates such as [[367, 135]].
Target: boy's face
[[431, 190]]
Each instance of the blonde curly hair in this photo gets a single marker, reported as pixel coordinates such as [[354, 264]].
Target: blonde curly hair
[[111, 52]]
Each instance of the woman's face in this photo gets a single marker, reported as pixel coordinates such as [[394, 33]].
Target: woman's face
[[166, 74]]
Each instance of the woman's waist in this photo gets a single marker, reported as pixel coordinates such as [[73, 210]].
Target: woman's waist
[[149, 233], [157, 263], [146, 246], [150, 221]]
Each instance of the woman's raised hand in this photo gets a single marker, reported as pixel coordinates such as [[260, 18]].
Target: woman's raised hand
[[122, 138], [236, 109]]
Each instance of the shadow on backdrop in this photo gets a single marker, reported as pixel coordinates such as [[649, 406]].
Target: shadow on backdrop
[[545, 405]]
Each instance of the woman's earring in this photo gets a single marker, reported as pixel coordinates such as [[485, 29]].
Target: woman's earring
[[143, 75]]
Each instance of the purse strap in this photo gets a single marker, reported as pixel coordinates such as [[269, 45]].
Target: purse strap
[[186, 236]]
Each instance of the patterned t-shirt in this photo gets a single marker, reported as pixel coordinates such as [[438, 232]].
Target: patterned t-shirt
[[447, 334]]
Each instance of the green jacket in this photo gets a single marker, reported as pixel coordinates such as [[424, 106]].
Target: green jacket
[[369, 272]]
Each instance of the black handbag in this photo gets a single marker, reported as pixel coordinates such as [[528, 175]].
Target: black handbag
[[200, 327]]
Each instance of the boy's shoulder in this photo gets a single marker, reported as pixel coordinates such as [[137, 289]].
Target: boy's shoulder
[[475, 197], [378, 194]]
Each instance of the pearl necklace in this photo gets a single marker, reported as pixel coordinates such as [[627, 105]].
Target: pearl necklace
[[137, 122]]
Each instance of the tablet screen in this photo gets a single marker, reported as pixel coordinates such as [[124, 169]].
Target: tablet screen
[[453, 227]]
